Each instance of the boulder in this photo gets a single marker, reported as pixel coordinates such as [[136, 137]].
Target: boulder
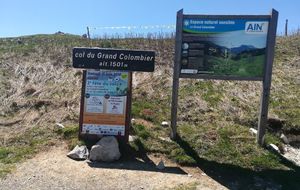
[[79, 153], [107, 150]]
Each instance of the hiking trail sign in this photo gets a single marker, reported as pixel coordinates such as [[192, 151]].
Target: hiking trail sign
[[107, 88], [225, 47]]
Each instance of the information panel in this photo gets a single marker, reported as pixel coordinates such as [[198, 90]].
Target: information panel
[[104, 103], [224, 46]]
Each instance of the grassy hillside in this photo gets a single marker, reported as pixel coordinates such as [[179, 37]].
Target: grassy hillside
[[38, 88]]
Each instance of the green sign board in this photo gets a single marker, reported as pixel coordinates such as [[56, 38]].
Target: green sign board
[[224, 46]]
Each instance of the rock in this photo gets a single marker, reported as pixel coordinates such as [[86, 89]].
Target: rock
[[167, 139], [160, 165], [131, 138], [281, 148], [274, 147], [253, 131], [107, 150], [60, 125], [79, 153], [164, 124], [284, 139], [292, 154]]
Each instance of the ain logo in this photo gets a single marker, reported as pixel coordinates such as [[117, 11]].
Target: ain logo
[[256, 27]]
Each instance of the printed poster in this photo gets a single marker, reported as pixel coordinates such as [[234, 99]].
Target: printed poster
[[105, 101]]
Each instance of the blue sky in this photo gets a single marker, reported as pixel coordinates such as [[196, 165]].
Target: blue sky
[[26, 17]]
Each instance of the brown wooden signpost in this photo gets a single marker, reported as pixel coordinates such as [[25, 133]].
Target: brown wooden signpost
[[106, 89], [225, 47]]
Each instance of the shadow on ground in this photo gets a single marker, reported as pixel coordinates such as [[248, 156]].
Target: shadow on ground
[[135, 160], [234, 177]]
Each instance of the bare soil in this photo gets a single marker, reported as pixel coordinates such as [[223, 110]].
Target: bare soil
[[54, 170]]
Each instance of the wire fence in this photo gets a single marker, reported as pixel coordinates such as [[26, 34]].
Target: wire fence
[[122, 32]]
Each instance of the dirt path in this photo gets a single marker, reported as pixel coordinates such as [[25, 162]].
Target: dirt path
[[53, 170]]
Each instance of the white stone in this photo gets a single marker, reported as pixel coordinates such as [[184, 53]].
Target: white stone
[[107, 150], [79, 153], [160, 165], [132, 120], [274, 147], [167, 139], [284, 139], [131, 138], [60, 125], [164, 124], [253, 131]]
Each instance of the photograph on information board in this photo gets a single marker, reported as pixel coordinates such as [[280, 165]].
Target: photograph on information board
[[224, 47]]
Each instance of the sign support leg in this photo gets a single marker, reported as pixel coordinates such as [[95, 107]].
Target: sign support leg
[[263, 116], [176, 74]]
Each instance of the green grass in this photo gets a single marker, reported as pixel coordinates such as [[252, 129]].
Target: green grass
[[22, 147], [207, 90], [141, 131], [154, 109], [70, 135], [251, 66]]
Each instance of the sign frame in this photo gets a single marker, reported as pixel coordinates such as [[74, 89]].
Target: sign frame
[[95, 137], [267, 70]]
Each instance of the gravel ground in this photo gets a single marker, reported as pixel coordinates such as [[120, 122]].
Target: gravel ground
[[54, 170]]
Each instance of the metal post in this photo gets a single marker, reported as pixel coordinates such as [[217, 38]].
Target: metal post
[[263, 116], [178, 43]]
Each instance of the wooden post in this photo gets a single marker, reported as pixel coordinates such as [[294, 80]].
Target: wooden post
[[176, 68], [286, 27], [128, 108], [88, 32], [88, 36], [263, 116]]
